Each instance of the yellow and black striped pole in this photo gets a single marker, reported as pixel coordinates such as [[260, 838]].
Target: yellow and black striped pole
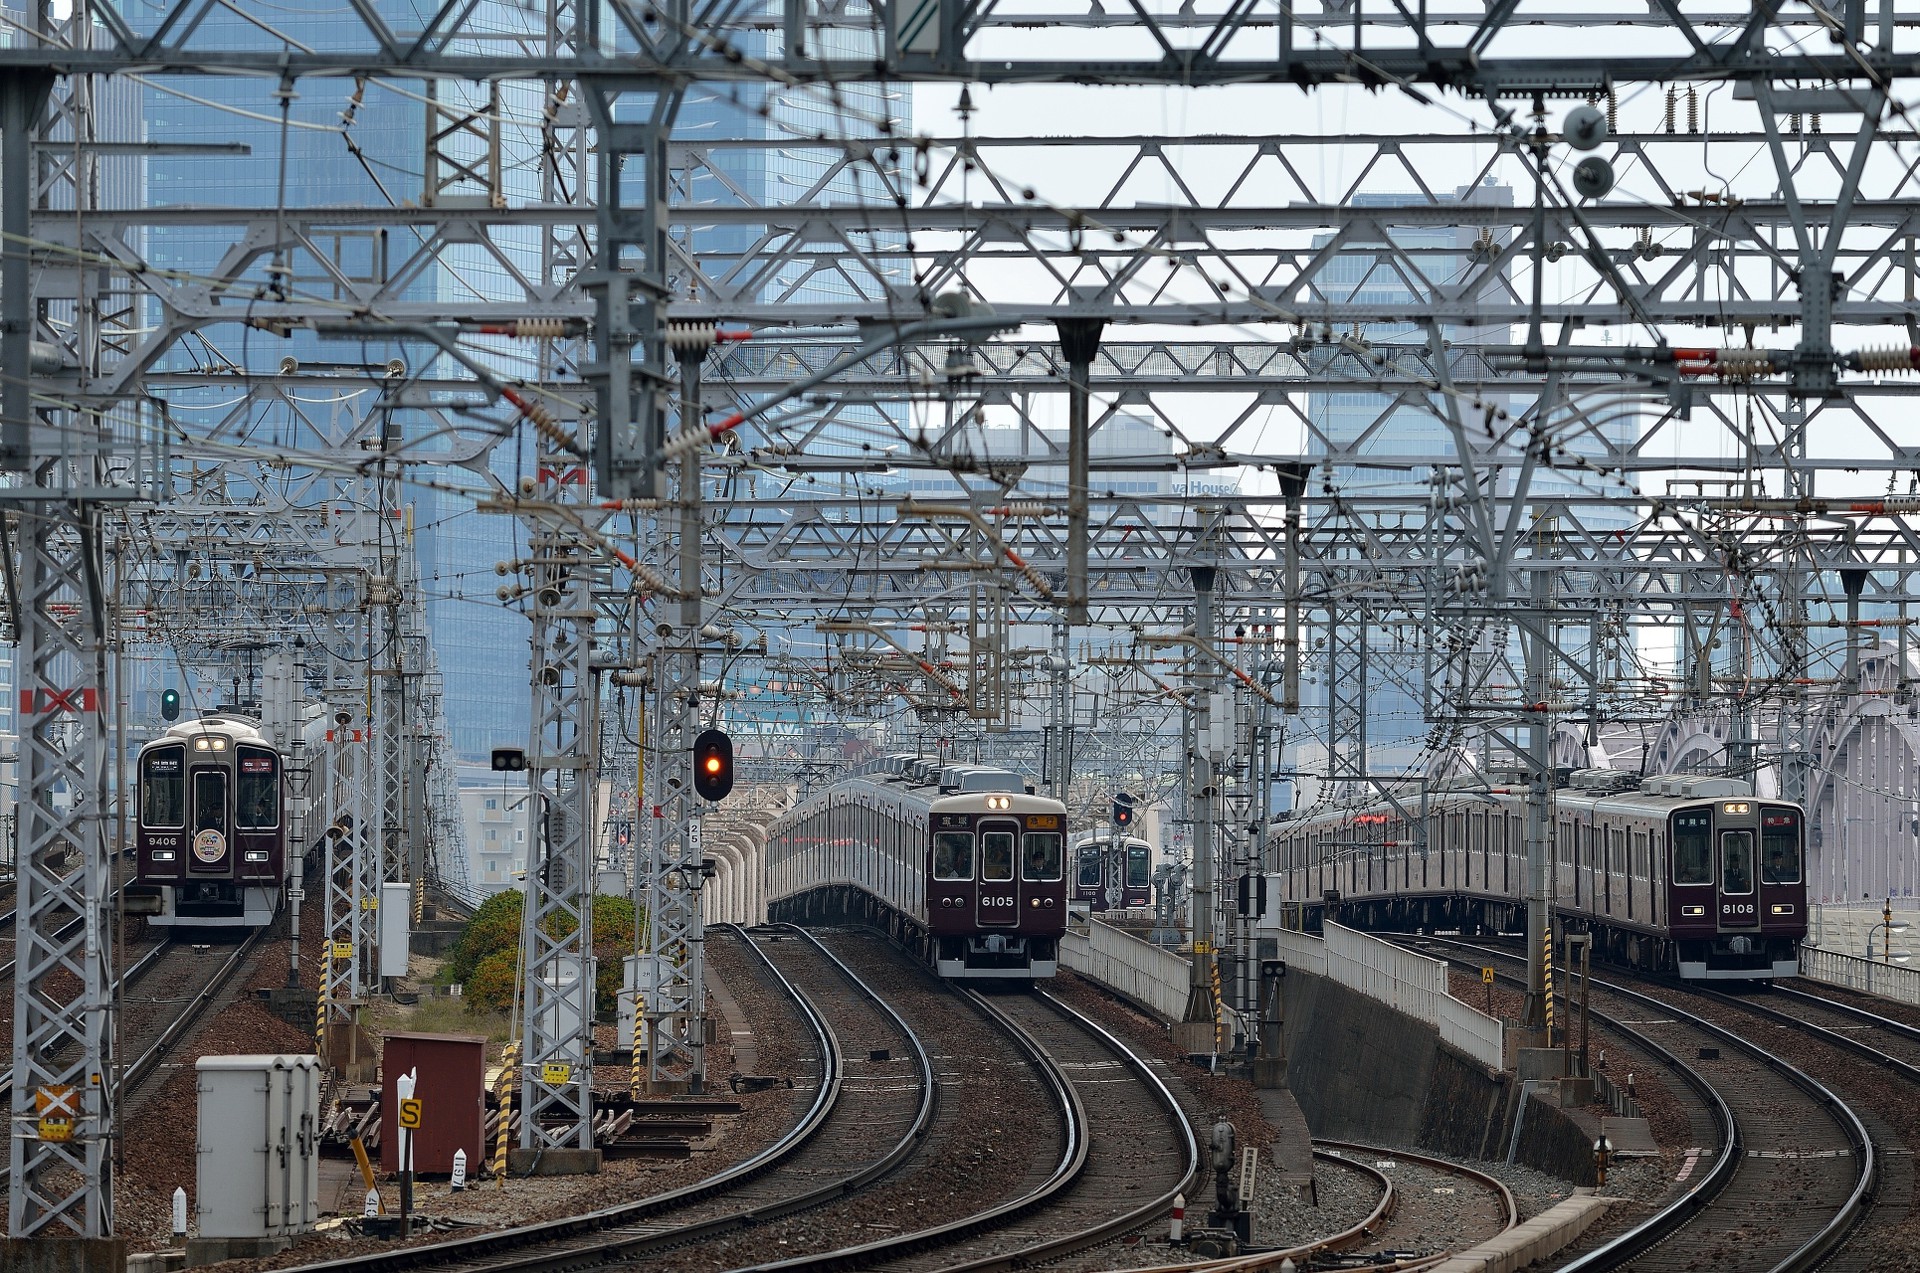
[[1219, 1017], [509, 1065], [320, 1014], [1547, 941], [636, 1068]]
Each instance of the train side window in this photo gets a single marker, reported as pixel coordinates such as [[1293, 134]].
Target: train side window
[[1041, 855], [1692, 848], [257, 794], [1779, 845], [996, 855], [953, 855], [163, 789], [1736, 861]]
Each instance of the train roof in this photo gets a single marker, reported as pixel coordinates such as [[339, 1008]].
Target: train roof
[[1102, 835], [878, 787], [1602, 790], [241, 729], [1015, 802]]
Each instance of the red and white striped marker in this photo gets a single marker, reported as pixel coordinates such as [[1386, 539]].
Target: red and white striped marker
[[1179, 1217]]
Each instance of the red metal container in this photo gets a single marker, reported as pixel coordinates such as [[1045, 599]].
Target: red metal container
[[452, 1096]]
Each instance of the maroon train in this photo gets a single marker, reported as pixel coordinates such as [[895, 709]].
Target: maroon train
[[959, 863], [1101, 866], [211, 826], [1675, 873]]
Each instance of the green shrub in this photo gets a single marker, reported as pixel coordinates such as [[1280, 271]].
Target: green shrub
[[486, 958]]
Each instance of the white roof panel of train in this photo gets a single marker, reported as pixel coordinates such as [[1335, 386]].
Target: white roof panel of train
[[1016, 802], [235, 727]]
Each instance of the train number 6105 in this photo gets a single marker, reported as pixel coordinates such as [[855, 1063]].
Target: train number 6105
[[995, 901]]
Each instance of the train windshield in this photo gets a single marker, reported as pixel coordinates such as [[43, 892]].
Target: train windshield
[[1139, 866], [996, 855], [210, 800], [163, 789], [257, 795], [953, 855], [1040, 855], [1089, 868], [1736, 861], [1692, 848], [1779, 845]]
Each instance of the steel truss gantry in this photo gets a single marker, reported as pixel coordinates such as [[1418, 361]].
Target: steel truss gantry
[[556, 1073], [1278, 250]]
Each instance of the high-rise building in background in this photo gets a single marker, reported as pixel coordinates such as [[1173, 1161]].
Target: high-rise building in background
[[366, 145], [1368, 423]]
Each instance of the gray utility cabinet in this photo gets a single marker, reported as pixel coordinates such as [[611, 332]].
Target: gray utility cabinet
[[259, 1146]]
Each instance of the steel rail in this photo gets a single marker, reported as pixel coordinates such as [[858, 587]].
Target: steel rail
[[507, 1250], [1067, 1168], [1338, 1151], [1656, 1228], [136, 1071]]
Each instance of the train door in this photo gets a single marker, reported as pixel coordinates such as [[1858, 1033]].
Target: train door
[[997, 902], [1737, 905], [1605, 837], [211, 829]]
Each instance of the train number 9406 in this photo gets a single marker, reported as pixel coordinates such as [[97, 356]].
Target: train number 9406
[[987, 900]]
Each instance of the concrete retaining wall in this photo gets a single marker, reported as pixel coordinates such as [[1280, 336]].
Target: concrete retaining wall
[[1361, 1071]]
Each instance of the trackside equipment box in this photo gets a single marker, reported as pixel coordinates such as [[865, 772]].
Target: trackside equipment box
[[258, 1169]]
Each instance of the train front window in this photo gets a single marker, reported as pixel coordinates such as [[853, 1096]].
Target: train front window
[[1736, 861], [257, 794], [953, 855], [1040, 855], [1089, 868], [1779, 845], [1139, 869], [163, 789], [996, 855], [1692, 848], [210, 801]]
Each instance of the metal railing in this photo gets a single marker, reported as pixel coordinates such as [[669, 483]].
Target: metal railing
[[1408, 983], [1871, 976], [1140, 970]]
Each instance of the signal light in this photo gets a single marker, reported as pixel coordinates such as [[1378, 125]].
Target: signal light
[[169, 704], [1123, 810], [713, 765]]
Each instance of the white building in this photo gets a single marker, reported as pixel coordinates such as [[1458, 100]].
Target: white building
[[494, 808]]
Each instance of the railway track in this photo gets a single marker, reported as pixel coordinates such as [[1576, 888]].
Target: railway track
[[158, 1033], [1124, 1150], [1400, 1228], [1771, 1133], [797, 1172]]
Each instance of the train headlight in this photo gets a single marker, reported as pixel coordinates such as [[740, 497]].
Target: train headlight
[[1049, 901], [163, 855], [1782, 910], [1693, 910], [1033, 901], [999, 802], [254, 855]]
